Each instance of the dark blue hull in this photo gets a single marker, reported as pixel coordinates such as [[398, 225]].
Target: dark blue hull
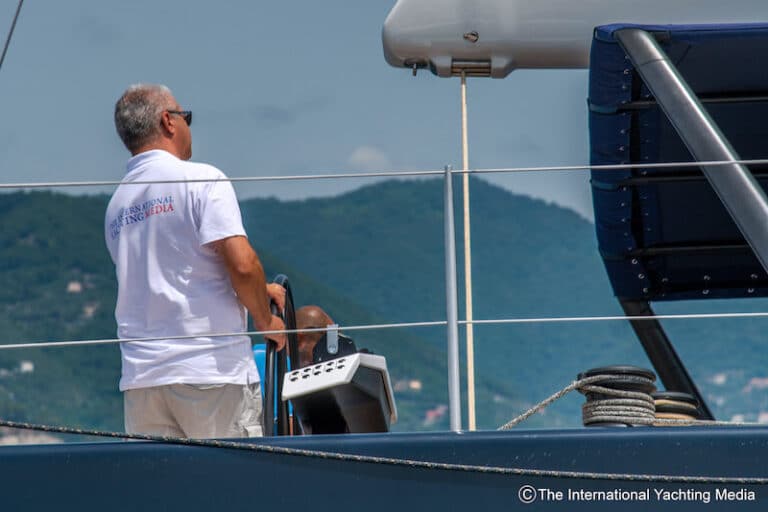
[[155, 476]]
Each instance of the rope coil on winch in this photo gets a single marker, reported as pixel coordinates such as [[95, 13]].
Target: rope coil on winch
[[672, 405], [623, 397], [584, 382], [625, 408]]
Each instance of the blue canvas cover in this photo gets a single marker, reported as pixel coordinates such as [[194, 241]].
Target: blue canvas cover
[[663, 233]]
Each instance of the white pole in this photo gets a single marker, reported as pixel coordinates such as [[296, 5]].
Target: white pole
[[452, 314], [468, 261]]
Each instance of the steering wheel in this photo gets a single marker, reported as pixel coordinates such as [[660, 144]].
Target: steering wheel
[[274, 376]]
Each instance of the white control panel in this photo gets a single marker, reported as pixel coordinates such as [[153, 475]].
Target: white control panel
[[336, 372]]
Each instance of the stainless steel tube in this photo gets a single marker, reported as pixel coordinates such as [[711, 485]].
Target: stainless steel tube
[[451, 306], [738, 190]]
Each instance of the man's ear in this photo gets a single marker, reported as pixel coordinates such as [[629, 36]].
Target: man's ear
[[166, 121]]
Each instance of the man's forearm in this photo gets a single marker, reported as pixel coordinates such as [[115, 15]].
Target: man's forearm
[[247, 277], [251, 290]]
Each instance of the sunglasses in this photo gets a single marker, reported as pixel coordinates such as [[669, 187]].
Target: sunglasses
[[186, 114]]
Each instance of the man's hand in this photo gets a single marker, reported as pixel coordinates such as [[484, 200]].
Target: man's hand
[[276, 292], [276, 325]]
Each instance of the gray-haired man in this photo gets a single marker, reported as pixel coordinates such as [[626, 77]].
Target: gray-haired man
[[184, 268]]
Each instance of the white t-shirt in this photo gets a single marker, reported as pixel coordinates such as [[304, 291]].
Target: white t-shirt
[[169, 282]]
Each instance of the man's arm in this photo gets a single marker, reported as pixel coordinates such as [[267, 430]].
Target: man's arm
[[249, 283]]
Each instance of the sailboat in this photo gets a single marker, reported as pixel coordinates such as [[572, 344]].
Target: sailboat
[[688, 87]]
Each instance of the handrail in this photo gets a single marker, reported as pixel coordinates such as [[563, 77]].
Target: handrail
[[391, 174], [276, 366], [269, 389], [368, 327], [292, 346]]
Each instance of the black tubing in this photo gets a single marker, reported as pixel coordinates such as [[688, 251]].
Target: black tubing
[[283, 358], [273, 378], [269, 389]]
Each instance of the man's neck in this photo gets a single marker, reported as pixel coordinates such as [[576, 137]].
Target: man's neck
[[165, 146]]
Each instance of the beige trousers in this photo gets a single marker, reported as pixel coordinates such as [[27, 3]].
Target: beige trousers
[[194, 410]]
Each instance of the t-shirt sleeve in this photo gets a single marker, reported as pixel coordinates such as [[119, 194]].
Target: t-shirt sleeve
[[219, 213]]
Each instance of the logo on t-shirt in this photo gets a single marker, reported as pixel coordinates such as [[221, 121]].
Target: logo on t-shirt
[[139, 212]]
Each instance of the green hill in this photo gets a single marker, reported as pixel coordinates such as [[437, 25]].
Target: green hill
[[57, 283], [382, 246]]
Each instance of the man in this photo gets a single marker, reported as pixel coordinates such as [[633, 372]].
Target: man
[[184, 268], [313, 317], [310, 317]]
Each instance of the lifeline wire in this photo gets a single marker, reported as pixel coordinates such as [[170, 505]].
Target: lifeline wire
[[695, 316], [10, 33], [389, 174]]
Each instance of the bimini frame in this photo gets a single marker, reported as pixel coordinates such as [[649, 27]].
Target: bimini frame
[[734, 184]]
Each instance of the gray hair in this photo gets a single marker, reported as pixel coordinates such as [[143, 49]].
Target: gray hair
[[137, 113]]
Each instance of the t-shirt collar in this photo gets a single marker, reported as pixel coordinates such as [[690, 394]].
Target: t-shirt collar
[[142, 158]]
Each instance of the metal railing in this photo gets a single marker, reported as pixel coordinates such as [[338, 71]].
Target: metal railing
[[452, 322]]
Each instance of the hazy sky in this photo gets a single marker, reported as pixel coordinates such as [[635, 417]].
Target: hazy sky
[[277, 88]]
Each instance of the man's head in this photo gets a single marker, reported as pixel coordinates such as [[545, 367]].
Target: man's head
[[310, 317], [147, 116]]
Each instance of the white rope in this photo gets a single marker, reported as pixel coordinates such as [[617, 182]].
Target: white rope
[[391, 174], [369, 327], [471, 414]]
